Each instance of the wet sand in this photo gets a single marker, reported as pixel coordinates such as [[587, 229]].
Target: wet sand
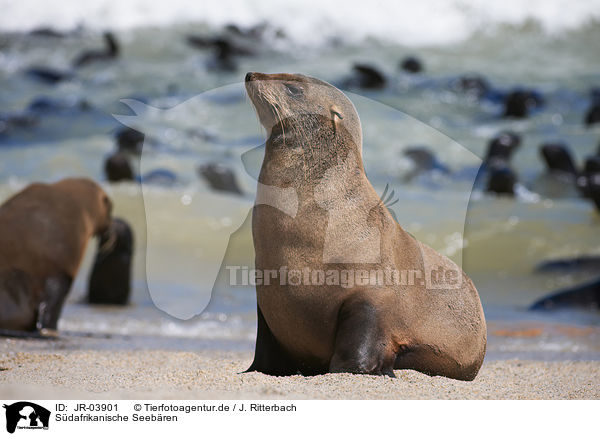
[[51, 372]]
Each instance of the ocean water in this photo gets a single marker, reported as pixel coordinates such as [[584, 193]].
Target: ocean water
[[186, 234]]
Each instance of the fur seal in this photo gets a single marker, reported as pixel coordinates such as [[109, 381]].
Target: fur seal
[[585, 296], [472, 85], [44, 230], [47, 32], [592, 115], [49, 76], [593, 189], [109, 52], [365, 76], [16, 122], [502, 179], [411, 65], [558, 158], [130, 140], [592, 165], [423, 161], [220, 177], [117, 167], [588, 182], [570, 265], [520, 102], [234, 42], [502, 147], [313, 160], [110, 279]]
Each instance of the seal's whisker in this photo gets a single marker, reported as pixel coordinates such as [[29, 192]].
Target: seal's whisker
[[393, 202], [387, 185], [391, 195]]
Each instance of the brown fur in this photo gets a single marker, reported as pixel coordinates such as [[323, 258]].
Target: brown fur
[[315, 146], [44, 230]]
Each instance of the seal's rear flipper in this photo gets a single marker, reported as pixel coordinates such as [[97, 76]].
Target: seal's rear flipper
[[360, 343], [24, 334], [269, 356], [55, 292]]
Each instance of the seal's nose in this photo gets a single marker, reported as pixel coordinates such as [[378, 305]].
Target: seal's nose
[[250, 77]]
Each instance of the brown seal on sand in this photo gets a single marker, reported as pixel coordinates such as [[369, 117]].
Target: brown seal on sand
[[44, 230], [110, 279], [384, 300]]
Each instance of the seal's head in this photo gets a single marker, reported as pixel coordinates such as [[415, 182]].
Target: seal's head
[[95, 202], [303, 105]]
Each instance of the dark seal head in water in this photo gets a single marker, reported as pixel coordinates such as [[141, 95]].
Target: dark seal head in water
[[502, 147], [411, 64], [220, 177], [365, 76], [593, 115], [313, 161], [558, 158], [520, 102]]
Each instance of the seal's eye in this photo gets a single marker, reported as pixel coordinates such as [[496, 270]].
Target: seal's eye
[[292, 90]]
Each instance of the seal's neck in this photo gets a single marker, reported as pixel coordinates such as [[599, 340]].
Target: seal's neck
[[301, 151]]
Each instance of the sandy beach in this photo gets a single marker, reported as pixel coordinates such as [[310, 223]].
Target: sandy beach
[[52, 372]]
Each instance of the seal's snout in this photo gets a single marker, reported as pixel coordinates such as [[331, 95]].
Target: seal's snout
[[251, 85]]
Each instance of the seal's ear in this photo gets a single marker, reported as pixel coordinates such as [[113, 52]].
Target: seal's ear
[[336, 116]]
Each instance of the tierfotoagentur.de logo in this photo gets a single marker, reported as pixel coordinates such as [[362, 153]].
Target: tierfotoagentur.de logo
[[24, 415]]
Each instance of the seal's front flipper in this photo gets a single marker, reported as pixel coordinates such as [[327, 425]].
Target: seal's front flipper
[[56, 289], [269, 356], [361, 346]]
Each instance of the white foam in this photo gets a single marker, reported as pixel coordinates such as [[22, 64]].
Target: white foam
[[310, 21]]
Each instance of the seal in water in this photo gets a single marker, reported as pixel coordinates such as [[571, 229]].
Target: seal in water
[[558, 158], [411, 64], [520, 102], [109, 52], [423, 161], [502, 179], [49, 76], [472, 85], [44, 230], [592, 116], [365, 76], [327, 231], [502, 147], [220, 177], [585, 296]]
